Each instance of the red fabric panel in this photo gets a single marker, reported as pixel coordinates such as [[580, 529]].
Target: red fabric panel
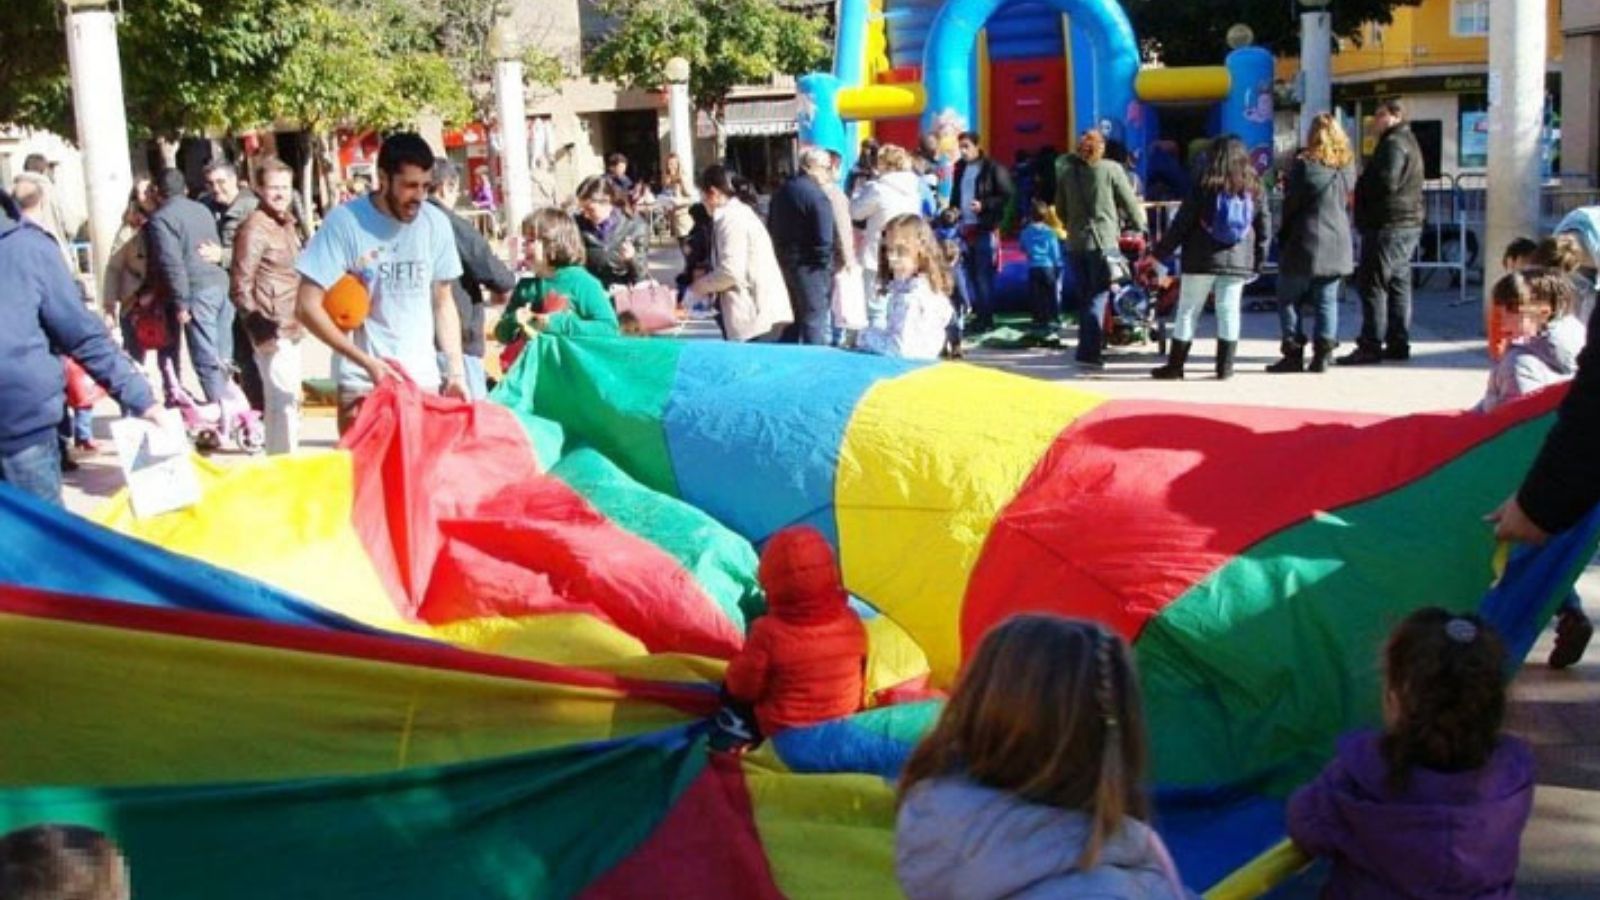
[[461, 524], [707, 846], [1028, 106], [1138, 501], [23, 601]]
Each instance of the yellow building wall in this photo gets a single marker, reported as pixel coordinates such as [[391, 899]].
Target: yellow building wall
[[1419, 38]]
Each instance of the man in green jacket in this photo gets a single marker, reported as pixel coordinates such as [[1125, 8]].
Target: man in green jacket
[[1095, 201]]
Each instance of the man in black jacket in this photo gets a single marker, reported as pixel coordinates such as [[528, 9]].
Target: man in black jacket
[[1389, 216], [480, 268], [800, 220], [979, 192], [199, 289]]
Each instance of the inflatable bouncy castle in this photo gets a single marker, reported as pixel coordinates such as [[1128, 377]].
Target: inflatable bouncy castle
[[474, 651], [1024, 74]]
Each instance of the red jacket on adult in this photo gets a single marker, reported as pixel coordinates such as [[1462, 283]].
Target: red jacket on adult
[[802, 662]]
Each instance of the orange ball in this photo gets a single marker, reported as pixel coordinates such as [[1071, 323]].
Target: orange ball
[[347, 302]]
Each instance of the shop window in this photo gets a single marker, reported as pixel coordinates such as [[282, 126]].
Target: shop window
[[1469, 18], [1472, 141]]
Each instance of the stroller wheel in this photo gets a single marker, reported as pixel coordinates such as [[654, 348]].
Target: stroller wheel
[[207, 440], [252, 438]]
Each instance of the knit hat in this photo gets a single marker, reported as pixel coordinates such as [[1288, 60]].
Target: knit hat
[[801, 576]]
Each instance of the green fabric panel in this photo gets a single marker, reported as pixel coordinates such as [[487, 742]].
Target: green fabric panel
[[535, 825], [548, 438], [1258, 669], [907, 723], [607, 393], [723, 562]]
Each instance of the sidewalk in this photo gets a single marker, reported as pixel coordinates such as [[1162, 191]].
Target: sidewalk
[[1557, 712]]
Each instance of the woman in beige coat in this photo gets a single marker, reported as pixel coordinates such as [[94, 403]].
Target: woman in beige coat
[[754, 302]]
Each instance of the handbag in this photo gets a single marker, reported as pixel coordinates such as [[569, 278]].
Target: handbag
[[150, 325], [849, 300], [652, 304]]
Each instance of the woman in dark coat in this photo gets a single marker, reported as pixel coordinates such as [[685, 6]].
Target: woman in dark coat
[[1223, 228], [616, 245], [1314, 248]]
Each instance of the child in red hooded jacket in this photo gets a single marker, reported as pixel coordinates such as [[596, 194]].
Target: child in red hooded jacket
[[804, 661]]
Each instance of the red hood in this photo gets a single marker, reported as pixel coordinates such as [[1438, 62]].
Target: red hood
[[801, 577]]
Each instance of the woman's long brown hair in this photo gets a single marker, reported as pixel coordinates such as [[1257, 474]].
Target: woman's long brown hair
[[1047, 709]]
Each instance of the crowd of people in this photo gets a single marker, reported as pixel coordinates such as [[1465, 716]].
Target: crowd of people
[[1033, 776]]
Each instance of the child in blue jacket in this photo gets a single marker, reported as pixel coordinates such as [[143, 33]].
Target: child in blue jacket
[[1042, 245]]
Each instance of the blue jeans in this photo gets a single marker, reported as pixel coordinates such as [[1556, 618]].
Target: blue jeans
[[1321, 293], [35, 470], [960, 302], [210, 335], [1192, 292], [1093, 279], [78, 425], [979, 258]]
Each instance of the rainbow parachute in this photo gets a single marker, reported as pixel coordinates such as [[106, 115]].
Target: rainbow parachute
[[472, 653]]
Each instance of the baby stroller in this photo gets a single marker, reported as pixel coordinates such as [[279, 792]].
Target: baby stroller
[[1142, 297]]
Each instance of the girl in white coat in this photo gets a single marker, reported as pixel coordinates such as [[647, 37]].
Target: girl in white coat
[[895, 192], [916, 293]]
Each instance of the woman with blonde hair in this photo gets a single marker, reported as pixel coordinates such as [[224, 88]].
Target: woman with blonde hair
[[1315, 252]]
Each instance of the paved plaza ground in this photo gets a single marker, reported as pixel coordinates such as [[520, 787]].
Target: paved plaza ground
[[1557, 712]]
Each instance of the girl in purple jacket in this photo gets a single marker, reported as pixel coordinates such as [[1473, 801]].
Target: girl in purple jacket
[[1434, 805]]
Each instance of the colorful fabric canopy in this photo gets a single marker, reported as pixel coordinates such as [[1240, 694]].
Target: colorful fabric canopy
[[472, 652]]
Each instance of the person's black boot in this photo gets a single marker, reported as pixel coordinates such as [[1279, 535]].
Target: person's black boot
[[1176, 357], [1395, 352], [1225, 354], [1294, 357], [1363, 355], [1321, 356]]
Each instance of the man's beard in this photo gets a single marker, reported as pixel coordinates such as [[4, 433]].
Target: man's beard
[[405, 212]]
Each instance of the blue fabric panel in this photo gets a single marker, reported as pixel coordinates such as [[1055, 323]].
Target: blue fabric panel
[[1537, 576], [47, 548], [1212, 833], [754, 436], [875, 742]]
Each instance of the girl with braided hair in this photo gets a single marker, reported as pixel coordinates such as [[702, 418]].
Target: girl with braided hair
[[1032, 781], [1434, 805]]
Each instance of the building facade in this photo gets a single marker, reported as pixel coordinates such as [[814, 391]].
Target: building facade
[[1580, 86], [1435, 58]]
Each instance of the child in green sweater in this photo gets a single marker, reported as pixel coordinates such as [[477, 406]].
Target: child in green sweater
[[561, 297]]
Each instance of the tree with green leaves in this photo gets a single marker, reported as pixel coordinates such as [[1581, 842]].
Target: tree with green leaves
[[1194, 32], [727, 43], [188, 65]]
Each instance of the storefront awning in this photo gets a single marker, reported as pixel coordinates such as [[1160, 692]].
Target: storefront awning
[[756, 118]]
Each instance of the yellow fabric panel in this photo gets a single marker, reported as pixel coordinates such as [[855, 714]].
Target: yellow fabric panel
[[846, 820], [1259, 876], [928, 461], [247, 712], [892, 656], [284, 521], [577, 639]]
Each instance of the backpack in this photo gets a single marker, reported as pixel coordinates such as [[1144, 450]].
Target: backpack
[[1231, 218]]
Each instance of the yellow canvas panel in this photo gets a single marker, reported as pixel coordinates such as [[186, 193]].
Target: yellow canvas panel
[[893, 658], [258, 713], [578, 639], [928, 461], [284, 521], [845, 820]]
